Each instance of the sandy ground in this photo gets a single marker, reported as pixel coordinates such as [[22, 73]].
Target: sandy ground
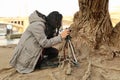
[[108, 69], [5, 55]]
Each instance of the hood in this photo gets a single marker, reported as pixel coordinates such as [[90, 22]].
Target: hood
[[36, 16]]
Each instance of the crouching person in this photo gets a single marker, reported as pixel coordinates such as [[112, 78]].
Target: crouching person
[[34, 50]]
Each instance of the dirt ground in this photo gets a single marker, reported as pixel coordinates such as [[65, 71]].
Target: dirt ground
[[5, 55], [104, 69]]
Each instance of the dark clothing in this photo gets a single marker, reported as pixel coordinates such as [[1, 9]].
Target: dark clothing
[[48, 54], [51, 53]]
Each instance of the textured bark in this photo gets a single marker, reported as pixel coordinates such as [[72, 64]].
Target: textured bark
[[96, 41], [93, 21]]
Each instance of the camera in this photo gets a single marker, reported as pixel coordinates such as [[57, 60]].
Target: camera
[[61, 30], [68, 37]]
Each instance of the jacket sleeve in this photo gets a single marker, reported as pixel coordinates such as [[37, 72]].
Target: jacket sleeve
[[38, 31]]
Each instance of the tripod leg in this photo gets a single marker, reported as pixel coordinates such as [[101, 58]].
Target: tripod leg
[[61, 60], [64, 49], [73, 51]]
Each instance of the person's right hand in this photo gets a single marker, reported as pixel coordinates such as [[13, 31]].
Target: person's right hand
[[65, 33]]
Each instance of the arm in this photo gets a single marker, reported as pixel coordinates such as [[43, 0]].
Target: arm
[[39, 34]]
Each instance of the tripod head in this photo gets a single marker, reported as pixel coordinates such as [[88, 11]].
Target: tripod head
[[68, 38]]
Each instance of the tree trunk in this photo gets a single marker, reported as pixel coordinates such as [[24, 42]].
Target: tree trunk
[[93, 22], [95, 41]]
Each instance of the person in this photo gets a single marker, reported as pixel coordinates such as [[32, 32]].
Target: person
[[37, 40]]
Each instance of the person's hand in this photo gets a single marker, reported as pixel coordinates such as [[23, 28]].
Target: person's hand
[[65, 33]]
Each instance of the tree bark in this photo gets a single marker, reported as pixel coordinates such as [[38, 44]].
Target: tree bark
[[96, 41], [93, 22]]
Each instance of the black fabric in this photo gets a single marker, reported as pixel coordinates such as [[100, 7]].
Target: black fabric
[[48, 54], [51, 53]]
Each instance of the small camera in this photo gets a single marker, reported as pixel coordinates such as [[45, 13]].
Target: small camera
[[69, 29], [61, 30]]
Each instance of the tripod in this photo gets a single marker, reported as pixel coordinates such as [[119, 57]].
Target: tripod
[[70, 57]]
